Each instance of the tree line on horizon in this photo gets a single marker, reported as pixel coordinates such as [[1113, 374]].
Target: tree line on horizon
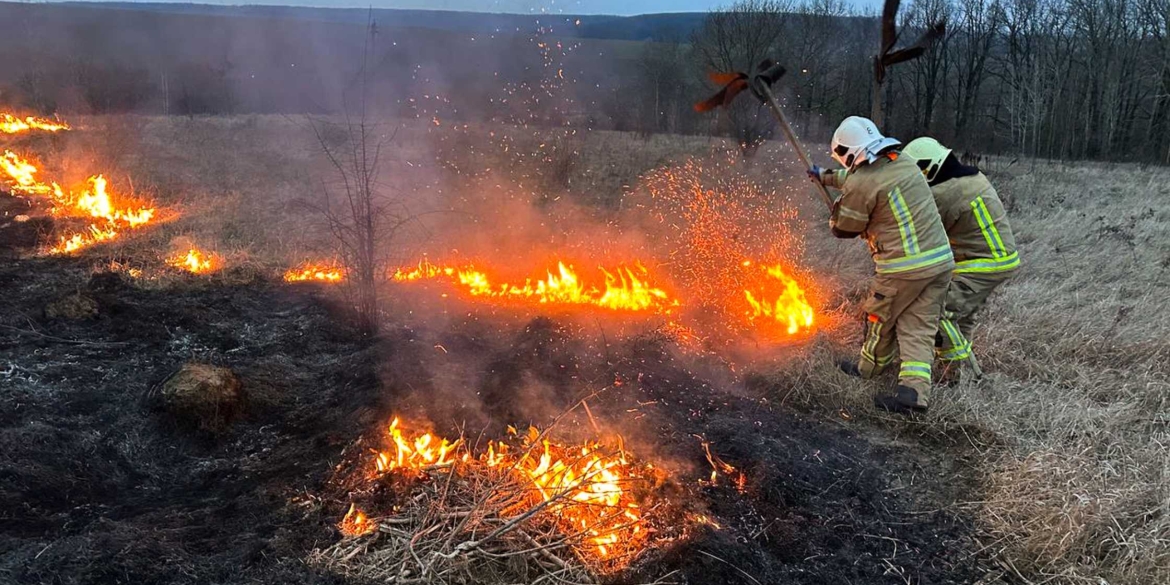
[[1061, 79]]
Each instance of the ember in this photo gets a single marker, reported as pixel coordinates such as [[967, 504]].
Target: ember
[[355, 523], [624, 289], [309, 271], [10, 124]]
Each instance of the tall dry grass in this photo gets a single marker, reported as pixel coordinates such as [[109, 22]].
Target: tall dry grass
[[1077, 350], [1069, 427]]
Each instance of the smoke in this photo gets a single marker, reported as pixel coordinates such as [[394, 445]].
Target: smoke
[[489, 155]]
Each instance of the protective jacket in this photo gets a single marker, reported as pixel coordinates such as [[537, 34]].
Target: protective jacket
[[977, 225], [889, 203]]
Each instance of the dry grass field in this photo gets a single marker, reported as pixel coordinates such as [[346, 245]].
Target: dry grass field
[[1069, 428], [1059, 459]]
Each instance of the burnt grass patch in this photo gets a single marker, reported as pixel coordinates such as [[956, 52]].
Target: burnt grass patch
[[97, 484]]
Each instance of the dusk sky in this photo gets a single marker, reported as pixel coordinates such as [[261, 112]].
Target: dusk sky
[[624, 7]]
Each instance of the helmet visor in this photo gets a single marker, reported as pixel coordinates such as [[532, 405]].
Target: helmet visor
[[929, 168], [841, 154]]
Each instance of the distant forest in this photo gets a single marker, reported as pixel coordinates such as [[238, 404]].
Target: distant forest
[[1067, 79]]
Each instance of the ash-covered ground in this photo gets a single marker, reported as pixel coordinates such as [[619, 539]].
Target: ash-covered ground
[[99, 485]]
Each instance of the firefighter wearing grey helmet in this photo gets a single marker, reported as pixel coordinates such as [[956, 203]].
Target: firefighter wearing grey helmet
[[885, 199], [982, 241]]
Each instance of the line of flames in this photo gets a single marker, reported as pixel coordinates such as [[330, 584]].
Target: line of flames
[[10, 124], [624, 288], [94, 201], [589, 483], [310, 271]]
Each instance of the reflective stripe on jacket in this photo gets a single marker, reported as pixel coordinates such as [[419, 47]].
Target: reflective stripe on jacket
[[889, 202], [976, 225]]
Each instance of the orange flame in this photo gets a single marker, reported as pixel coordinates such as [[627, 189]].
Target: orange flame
[[418, 453], [10, 124], [310, 271], [22, 175], [624, 289], [195, 262], [78, 241], [589, 482], [590, 485], [94, 202], [790, 308], [356, 523]]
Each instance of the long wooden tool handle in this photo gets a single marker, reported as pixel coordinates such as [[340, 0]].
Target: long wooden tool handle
[[775, 106]]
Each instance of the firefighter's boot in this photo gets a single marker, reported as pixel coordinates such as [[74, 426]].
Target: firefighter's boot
[[905, 400], [849, 367]]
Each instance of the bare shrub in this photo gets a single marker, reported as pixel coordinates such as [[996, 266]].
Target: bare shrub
[[362, 214]]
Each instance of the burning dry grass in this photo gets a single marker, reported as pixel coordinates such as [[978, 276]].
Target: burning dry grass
[[10, 124], [525, 510], [456, 528], [624, 288], [1070, 425], [196, 261], [315, 271], [107, 213]]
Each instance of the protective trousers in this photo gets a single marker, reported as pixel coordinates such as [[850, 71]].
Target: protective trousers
[[965, 298], [901, 322]]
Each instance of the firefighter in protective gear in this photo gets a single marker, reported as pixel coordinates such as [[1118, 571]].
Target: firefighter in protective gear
[[981, 238], [885, 198]]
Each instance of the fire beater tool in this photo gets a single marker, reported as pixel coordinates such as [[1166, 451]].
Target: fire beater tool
[[760, 84], [887, 56]]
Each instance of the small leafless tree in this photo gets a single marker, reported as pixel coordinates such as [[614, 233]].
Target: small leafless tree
[[362, 213]]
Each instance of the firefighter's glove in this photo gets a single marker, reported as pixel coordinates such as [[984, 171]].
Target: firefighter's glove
[[815, 174]]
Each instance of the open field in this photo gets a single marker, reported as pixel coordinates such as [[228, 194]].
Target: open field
[[1052, 469]]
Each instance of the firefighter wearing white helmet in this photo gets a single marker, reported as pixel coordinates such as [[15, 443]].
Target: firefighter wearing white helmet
[[981, 238], [885, 199]]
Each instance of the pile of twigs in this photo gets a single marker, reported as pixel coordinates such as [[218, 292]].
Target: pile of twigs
[[473, 524], [468, 522]]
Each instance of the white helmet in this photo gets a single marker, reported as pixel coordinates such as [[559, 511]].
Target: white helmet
[[929, 154], [858, 140]]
